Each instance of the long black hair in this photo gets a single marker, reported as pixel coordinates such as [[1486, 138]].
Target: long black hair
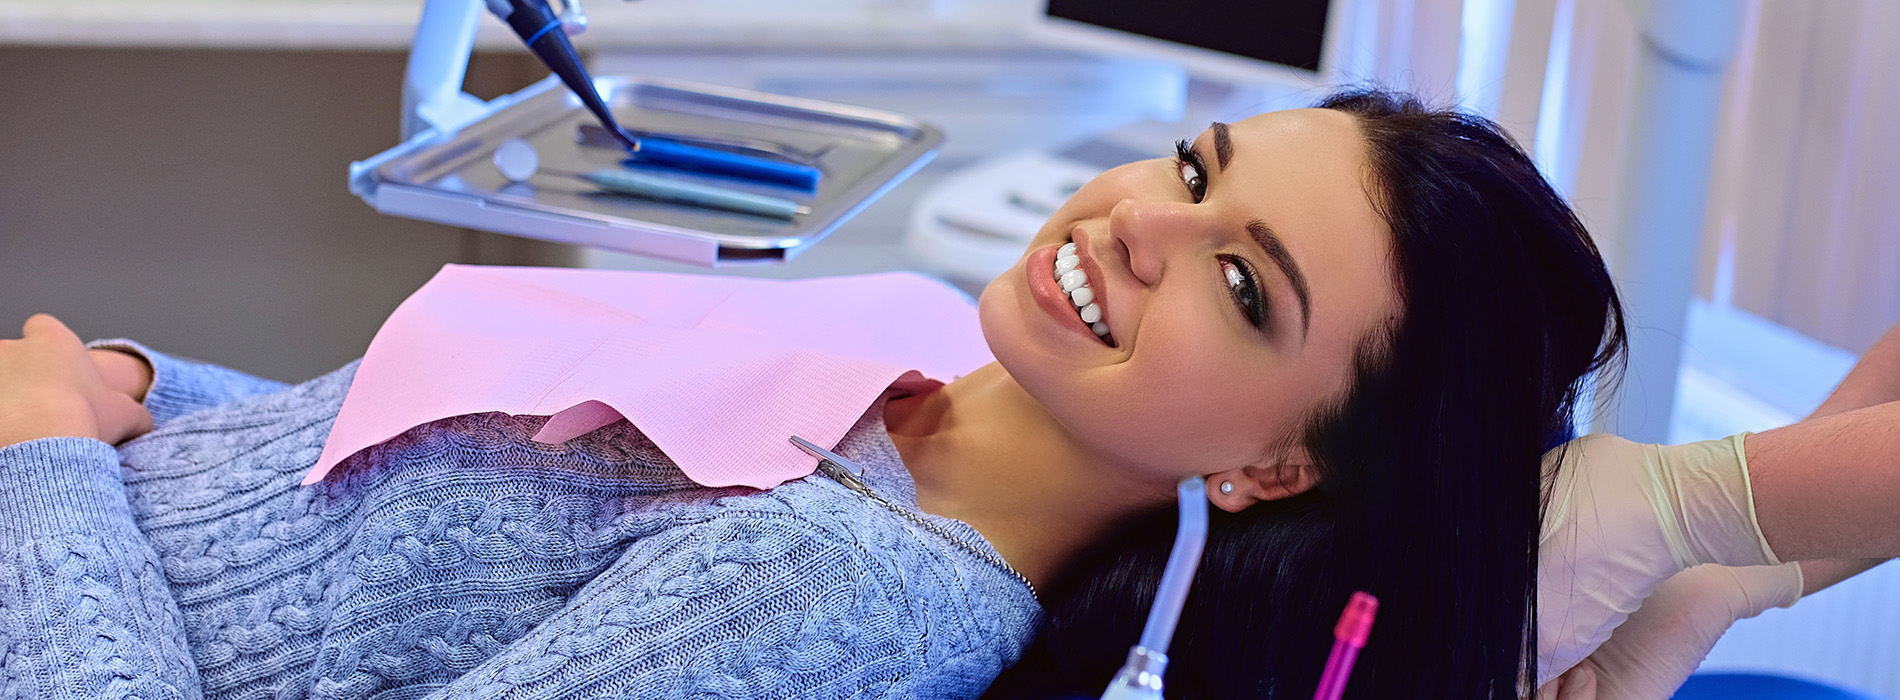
[[1430, 494]]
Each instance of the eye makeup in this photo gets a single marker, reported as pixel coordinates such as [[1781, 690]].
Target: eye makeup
[[1243, 284], [1185, 159]]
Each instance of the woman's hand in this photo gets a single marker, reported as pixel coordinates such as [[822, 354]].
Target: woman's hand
[[50, 386], [122, 371]]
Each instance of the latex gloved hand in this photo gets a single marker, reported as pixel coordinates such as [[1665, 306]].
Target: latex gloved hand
[[1656, 649], [1578, 683], [1624, 517]]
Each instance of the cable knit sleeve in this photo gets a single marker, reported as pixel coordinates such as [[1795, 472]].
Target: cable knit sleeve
[[85, 609], [181, 387], [743, 605]]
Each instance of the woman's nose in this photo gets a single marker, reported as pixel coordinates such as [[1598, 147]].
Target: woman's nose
[[1157, 231]]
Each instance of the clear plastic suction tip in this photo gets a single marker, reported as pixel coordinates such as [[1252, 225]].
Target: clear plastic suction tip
[[1140, 678]]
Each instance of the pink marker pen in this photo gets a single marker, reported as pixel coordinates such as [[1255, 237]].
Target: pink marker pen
[[1349, 636]]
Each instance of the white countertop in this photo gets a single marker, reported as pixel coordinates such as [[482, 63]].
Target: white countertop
[[389, 24]]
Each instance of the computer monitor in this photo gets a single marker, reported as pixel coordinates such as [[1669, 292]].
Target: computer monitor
[[1250, 56], [1241, 42]]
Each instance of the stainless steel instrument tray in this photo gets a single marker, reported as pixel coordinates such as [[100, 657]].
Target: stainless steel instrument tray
[[861, 152]]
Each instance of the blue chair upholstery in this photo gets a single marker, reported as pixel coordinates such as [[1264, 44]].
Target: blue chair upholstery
[[1761, 686]]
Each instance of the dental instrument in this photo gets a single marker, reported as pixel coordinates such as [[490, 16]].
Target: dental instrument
[[664, 189], [518, 161], [1140, 677], [539, 27], [1349, 636], [597, 136]]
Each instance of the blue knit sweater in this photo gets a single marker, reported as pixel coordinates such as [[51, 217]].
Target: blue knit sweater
[[464, 560]]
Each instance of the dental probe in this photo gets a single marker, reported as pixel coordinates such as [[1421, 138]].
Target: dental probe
[[1140, 678], [538, 26]]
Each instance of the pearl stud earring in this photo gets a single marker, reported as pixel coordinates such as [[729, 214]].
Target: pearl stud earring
[[1227, 487]]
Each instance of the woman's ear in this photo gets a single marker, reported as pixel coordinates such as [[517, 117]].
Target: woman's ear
[[1236, 489]]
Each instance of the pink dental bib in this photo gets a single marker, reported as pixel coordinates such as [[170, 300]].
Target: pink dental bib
[[717, 371]]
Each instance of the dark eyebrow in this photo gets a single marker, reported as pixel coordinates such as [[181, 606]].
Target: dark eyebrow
[[1270, 242], [1223, 146]]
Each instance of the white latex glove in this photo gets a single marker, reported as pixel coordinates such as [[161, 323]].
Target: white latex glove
[[1656, 649], [1623, 518], [1578, 683]]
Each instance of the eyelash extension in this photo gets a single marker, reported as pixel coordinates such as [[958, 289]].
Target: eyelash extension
[[1184, 155]]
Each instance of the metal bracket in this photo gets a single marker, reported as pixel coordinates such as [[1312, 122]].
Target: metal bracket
[[432, 96]]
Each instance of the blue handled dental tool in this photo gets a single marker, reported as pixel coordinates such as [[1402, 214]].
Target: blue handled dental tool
[[1140, 677], [673, 154], [597, 136], [518, 162], [540, 28], [651, 186]]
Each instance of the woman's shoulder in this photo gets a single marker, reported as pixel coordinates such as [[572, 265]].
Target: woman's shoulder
[[946, 569]]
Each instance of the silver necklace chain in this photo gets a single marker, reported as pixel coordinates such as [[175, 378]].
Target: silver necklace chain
[[844, 476]]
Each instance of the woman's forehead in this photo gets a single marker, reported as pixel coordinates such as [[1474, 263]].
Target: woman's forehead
[[1332, 134], [1305, 173], [1309, 164]]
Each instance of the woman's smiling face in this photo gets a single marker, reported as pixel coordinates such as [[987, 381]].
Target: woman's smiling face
[[1237, 285]]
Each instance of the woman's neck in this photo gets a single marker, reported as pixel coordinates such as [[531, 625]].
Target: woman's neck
[[984, 452]]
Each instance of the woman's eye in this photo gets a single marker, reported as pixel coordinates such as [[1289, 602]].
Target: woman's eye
[[1196, 184], [1188, 166], [1245, 290]]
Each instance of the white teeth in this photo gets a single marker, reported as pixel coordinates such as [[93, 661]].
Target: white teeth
[[1076, 283], [1073, 280]]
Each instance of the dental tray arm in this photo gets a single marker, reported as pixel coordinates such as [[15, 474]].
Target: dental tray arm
[[432, 96]]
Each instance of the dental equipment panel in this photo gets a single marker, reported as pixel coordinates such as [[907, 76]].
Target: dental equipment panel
[[447, 169]]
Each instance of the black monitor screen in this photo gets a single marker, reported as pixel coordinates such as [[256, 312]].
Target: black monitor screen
[[1281, 31]]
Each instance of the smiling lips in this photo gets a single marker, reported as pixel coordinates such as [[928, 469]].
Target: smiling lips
[[1075, 283]]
